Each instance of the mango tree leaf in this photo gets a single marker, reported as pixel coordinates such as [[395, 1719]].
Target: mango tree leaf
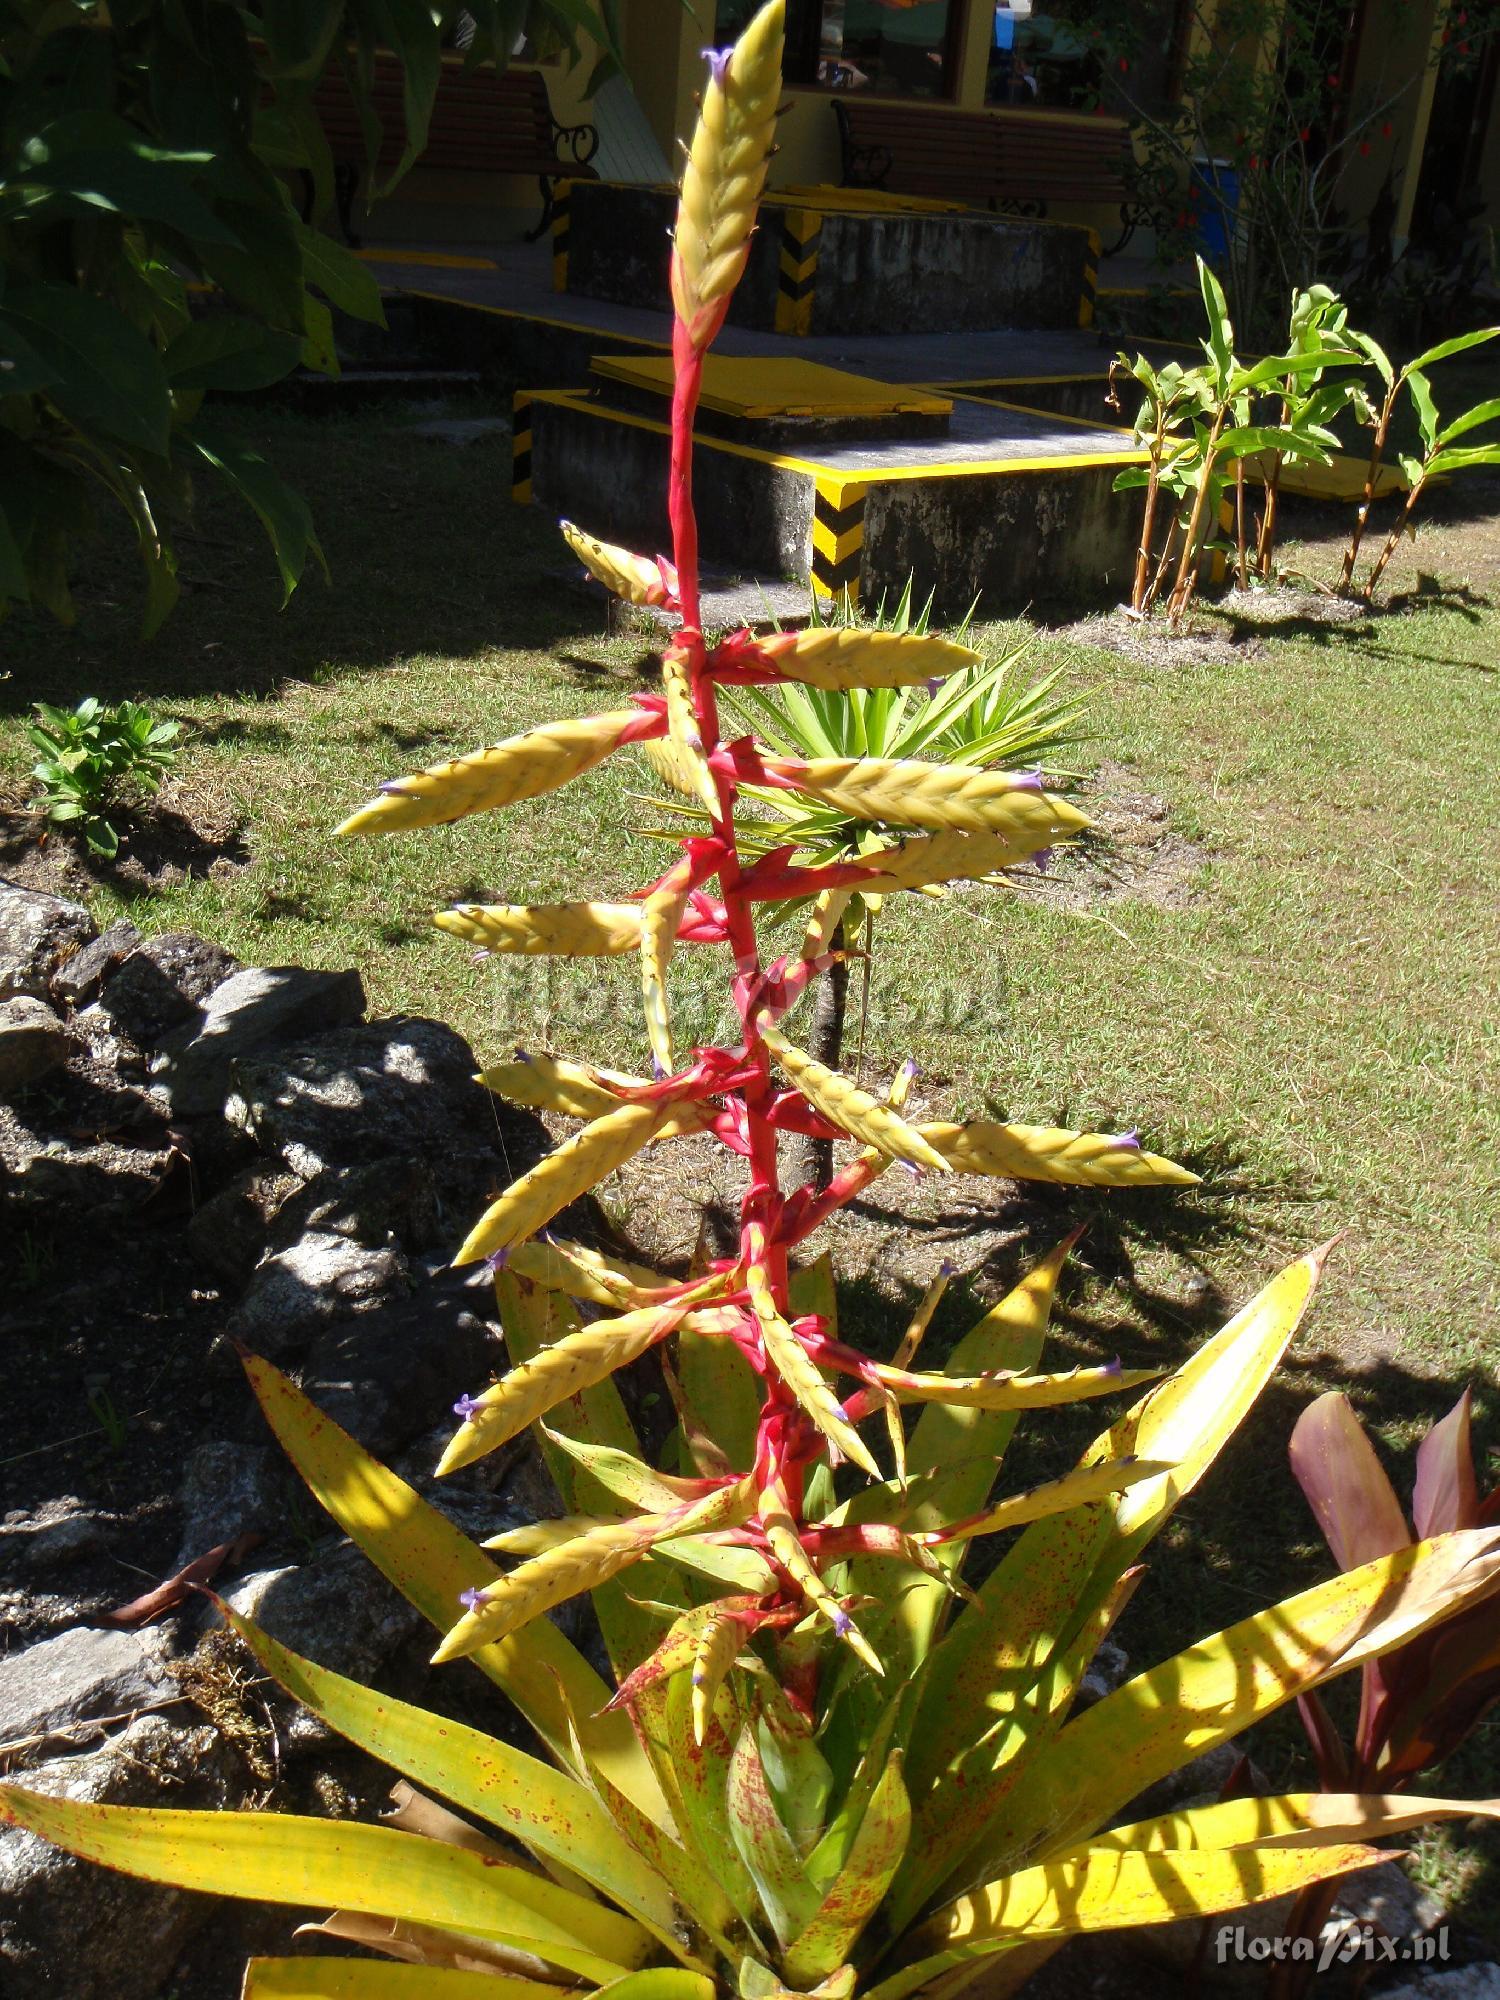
[[1420, 390], [299, 35], [107, 377], [284, 1858], [22, 369], [1482, 413], [340, 276], [430, 1562], [284, 514], [127, 179], [226, 351], [545, 1810], [1457, 345], [1462, 458]]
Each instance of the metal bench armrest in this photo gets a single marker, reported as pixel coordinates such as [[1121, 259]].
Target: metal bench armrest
[[581, 142]]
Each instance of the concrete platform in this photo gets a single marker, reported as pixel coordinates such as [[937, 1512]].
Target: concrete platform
[[1011, 506], [820, 266]]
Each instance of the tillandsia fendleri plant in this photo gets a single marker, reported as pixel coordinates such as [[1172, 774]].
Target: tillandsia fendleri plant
[[826, 1766]]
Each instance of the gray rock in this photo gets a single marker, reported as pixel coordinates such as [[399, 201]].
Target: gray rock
[[1388, 1898], [59, 1531], [228, 1233], [81, 1675], [323, 1278], [38, 934], [229, 1490], [80, 978], [259, 1005], [33, 1042], [71, 1930], [160, 985], [397, 1089], [95, 1030], [376, 1202], [1109, 1669], [394, 1371], [1459, 1982], [338, 1610]]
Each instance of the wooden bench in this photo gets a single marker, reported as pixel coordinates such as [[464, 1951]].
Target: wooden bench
[[1013, 160], [481, 123]]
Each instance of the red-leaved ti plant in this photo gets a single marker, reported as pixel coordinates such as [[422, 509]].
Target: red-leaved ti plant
[[825, 1764]]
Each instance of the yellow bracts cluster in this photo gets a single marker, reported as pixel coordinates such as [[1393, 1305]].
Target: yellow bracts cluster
[[572, 930], [842, 657], [554, 1373], [781, 1540], [1022, 823], [661, 918], [801, 1375], [903, 791], [683, 731], [1045, 1153], [578, 1164], [672, 762], [1003, 1391], [725, 172], [522, 767], [562, 1266], [552, 1083], [570, 1568], [853, 1110], [630, 577]]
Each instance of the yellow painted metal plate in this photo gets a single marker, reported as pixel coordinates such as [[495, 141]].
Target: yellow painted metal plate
[[762, 386], [1343, 480], [863, 201]]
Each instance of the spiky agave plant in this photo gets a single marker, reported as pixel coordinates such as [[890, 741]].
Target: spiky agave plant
[[810, 1776]]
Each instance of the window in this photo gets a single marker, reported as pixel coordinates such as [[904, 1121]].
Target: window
[[1044, 52], [892, 48]]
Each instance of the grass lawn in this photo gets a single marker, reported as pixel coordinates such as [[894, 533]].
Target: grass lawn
[[1315, 1027]]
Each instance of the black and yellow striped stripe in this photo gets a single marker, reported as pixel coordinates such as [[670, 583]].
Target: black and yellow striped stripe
[[1088, 297], [562, 215], [797, 277], [520, 448], [838, 538]]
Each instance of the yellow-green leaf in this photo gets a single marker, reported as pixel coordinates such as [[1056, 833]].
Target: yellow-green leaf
[[827, 1938], [1288, 1819], [430, 1562], [546, 1811], [365, 1979], [284, 1858]]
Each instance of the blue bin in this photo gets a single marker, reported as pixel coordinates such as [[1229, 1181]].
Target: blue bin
[[1218, 185]]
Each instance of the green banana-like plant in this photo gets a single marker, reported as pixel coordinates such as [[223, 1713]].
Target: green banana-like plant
[[827, 1766]]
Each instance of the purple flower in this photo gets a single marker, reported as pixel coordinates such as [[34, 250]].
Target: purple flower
[[946, 1268], [659, 1068], [1112, 1367], [909, 1071], [718, 62], [1132, 1139], [910, 1167], [843, 1624], [395, 787], [1028, 781], [498, 1259], [472, 1598], [466, 1407], [933, 683], [521, 1055], [1043, 860]]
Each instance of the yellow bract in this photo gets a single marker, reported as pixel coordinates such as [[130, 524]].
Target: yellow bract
[[522, 767], [578, 1164], [1045, 1153], [843, 657], [1021, 824], [629, 576], [853, 1110], [725, 172], [903, 791], [572, 930]]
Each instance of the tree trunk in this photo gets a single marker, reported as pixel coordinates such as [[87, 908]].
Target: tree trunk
[[825, 1043]]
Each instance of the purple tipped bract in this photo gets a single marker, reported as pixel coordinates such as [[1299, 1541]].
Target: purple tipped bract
[[1132, 1139], [466, 1407], [392, 787], [472, 1598], [498, 1259], [718, 62]]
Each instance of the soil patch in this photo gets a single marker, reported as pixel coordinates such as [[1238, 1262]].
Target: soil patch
[[1132, 854], [186, 830]]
